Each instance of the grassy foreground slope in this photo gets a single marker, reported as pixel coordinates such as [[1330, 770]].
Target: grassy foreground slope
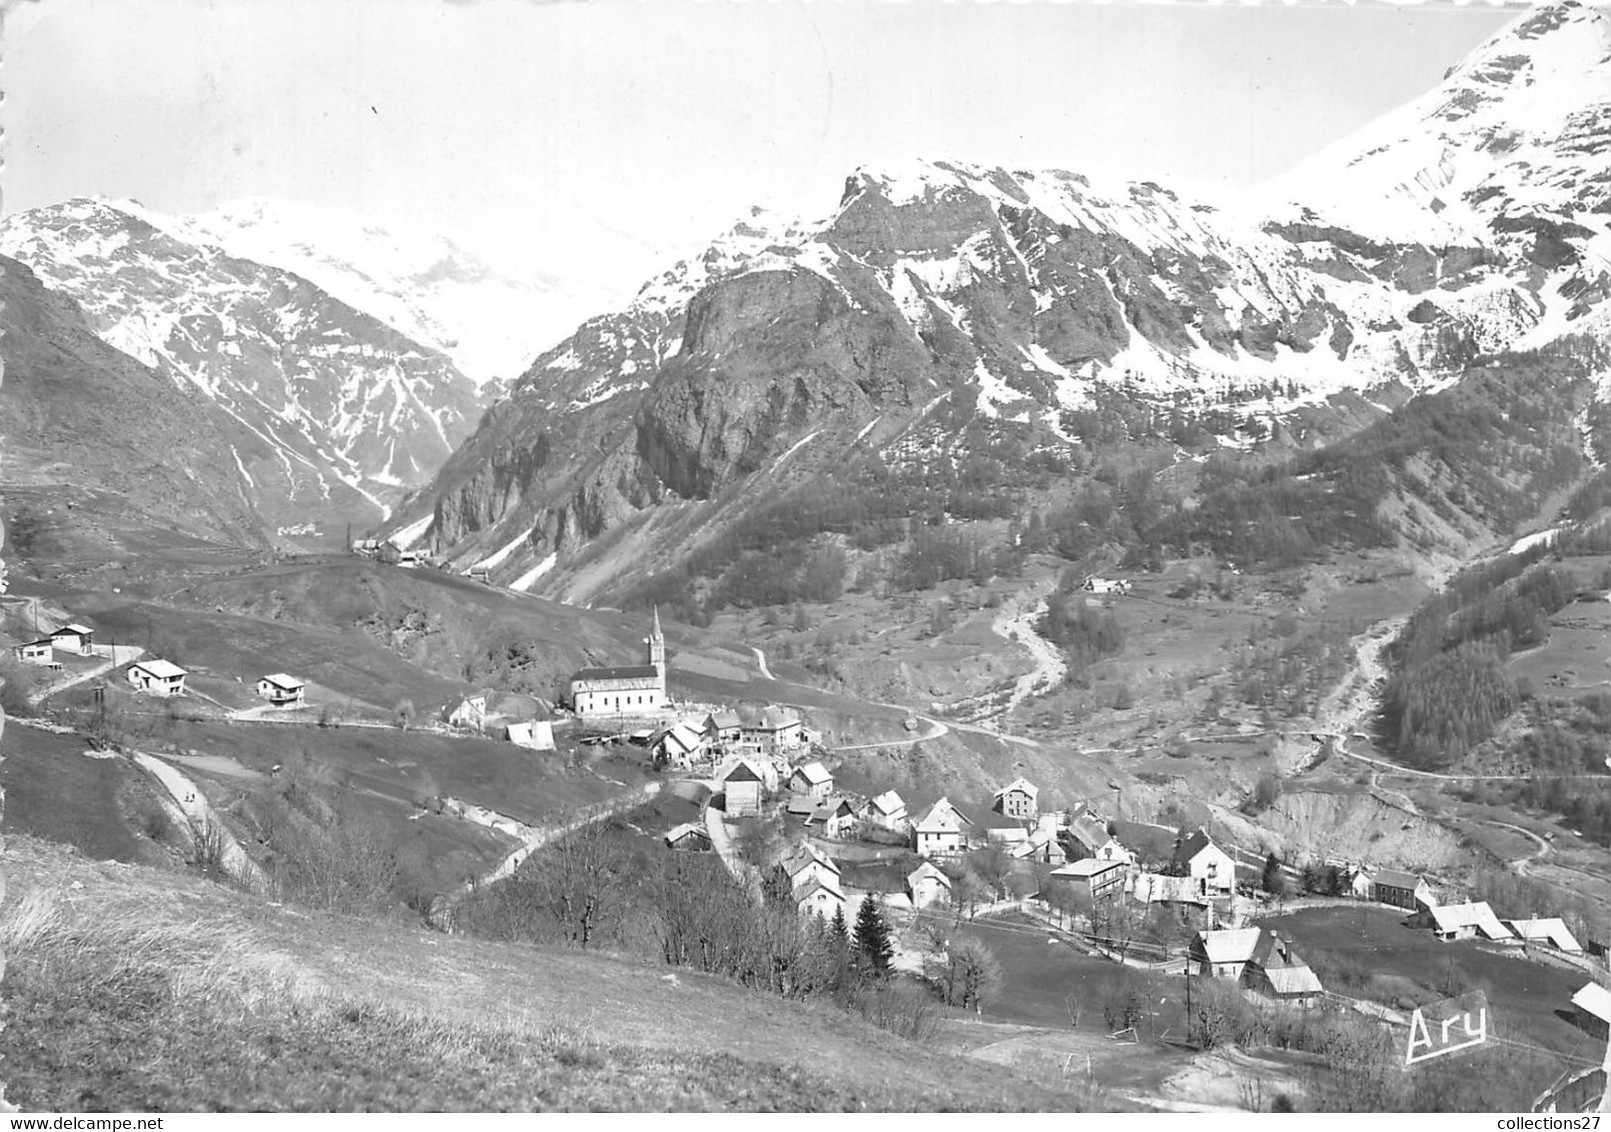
[[141, 989]]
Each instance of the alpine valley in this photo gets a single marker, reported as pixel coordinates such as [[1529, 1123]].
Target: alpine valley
[[1281, 515]]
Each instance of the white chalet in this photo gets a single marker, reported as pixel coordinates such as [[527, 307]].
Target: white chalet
[[942, 832], [887, 810], [927, 886], [1211, 869], [280, 690], [158, 677], [74, 638], [41, 652]]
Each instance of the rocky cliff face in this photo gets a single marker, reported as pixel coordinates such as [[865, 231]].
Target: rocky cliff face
[[75, 412], [942, 292], [348, 413]]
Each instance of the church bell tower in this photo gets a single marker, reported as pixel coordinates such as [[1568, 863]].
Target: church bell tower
[[657, 648]]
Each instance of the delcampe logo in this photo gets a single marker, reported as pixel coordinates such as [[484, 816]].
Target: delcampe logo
[[1442, 1028]]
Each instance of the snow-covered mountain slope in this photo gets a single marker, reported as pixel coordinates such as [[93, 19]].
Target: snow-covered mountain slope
[[1511, 152], [492, 324], [1007, 296], [351, 412]]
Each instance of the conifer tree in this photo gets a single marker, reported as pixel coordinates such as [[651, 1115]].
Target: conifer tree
[[874, 952]]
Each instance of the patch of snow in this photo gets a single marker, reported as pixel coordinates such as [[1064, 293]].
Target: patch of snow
[[496, 558], [529, 578], [1537, 538], [409, 535]]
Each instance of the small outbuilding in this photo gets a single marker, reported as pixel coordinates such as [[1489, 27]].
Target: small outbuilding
[[533, 734], [741, 785], [812, 779], [688, 836], [927, 886]]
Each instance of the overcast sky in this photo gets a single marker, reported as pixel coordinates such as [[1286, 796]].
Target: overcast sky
[[522, 123]]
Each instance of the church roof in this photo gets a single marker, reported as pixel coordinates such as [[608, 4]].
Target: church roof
[[624, 672]]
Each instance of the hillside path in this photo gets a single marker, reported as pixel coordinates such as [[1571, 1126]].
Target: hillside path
[[760, 662], [203, 821], [113, 657]]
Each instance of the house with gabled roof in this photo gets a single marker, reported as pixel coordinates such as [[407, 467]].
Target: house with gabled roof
[[1552, 932], [1591, 1006], [157, 677], [722, 727], [1083, 836], [281, 690], [74, 638], [812, 779], [533, 734], [776, 732], [469, 713], [741, 784], [806, 862], [926, 886], [942, 832], [1276, 971], [1018, 799], [1041, 845], [833, 818], [1461, 921], [680, 746], [689, 835], [1401, 889], [887, 810], [1209, 866], [41, 652], [819, 898], [1223, 954]]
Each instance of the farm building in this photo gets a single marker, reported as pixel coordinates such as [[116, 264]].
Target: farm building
[[1207, 864], [74, 638], [1552, 932], [41, 652], [281, 690], [689, 835], [1093, 876], [1461, 921], [158, 677], [800, 806], [776, 732], [887, 810], [813, 780], [834, 818], [680, 746], [1275, 970], [1401, 889], [722, 727], [534, 734], [927, 886], [805, 863], [1224, 954], [942, 832], [470, 712], [1591, 1009], [626, 690], [741, 783], [1017, 800]]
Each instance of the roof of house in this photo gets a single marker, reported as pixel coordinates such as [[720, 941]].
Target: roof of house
[[804, 855], [741, 771], [1595, 999], [42, 642], [1088, 831], [1296, 978], [888, 802], [774, 718], [75, 628], [1195, 844], [1453, 917], [683, 736], [801, 804], [987, 818], [1552, 930], [1397, 878], [943, 817], [1087, 867], [1022, 784], [161, 669], [724, 720], [1274, 951], [683, 830], [1230, 945], [812, 886], [624, 672], [281, 680], [814, 773], [927, 871]]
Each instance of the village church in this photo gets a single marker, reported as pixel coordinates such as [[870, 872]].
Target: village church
[[625, 690]]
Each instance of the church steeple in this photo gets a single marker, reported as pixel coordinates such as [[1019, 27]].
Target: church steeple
[[657, 647]]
